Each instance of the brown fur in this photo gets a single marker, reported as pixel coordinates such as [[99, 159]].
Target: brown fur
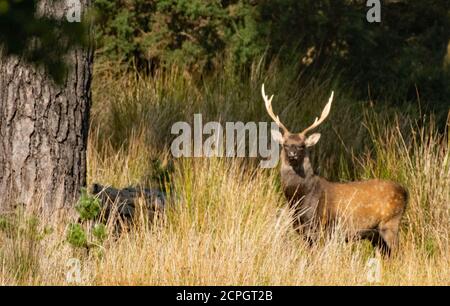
[[369, 209]]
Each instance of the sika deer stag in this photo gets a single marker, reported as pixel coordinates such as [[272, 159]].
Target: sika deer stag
[[369, 209]]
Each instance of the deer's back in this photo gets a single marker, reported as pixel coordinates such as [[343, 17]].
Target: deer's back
[[365, 204]]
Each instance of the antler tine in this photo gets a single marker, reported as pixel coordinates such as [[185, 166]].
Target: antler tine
[[323, 116], [268, 103]]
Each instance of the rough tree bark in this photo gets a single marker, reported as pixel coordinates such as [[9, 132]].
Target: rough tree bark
[[44, 128]]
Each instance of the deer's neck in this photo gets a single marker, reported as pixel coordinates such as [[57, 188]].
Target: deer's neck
[[298, 179]]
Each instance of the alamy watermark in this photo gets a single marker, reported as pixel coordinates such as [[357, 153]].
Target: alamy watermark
[[75, 272], [373, 266], [228, 141], [374, 13], [73, 13]]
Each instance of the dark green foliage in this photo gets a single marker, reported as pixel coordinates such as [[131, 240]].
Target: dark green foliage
[[388, 59], [88, 206], [405, 50], [191, 33], [99, 232], [402, 55], [76, 235], [39, 40], [88, 232]]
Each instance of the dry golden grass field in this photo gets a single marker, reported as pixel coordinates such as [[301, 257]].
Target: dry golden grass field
[[226, 221]]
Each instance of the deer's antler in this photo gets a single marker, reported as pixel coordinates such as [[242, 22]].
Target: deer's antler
[[268, 103], [323, 116]]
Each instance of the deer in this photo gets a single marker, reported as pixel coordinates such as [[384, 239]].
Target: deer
[[369, 209]]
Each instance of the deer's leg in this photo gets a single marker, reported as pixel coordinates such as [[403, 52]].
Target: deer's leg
[[378, 242], [307, 232], [389, 232]]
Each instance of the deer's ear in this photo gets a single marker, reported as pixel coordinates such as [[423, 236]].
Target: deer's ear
[[276, 135], [312, 139]]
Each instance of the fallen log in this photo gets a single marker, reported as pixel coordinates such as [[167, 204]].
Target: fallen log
[[124, 202]]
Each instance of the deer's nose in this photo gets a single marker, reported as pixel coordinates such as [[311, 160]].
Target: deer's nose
[[292, 154]]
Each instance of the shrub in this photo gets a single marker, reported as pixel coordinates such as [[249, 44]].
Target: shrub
[[192, 33]]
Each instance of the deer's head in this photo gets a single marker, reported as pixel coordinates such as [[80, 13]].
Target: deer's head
[[295, 145]]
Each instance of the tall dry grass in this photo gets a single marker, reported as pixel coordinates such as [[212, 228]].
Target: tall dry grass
[[226, 222]]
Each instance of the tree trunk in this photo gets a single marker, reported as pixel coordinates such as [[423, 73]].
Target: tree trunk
[[43, 129]]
